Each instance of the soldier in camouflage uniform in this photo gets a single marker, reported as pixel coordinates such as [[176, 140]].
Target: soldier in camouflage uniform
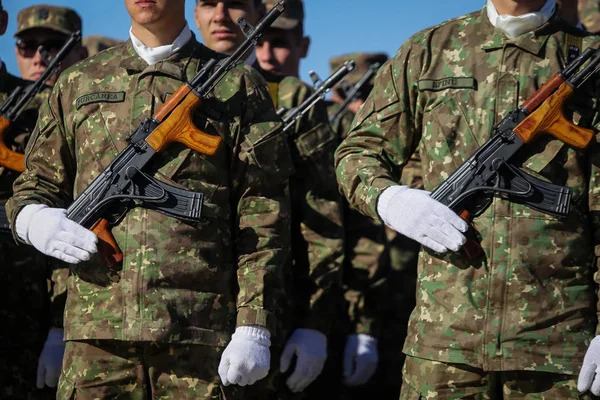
[[160, 324], [589, 15], [217, 22], [317, 231], [97, 43], [382, 269], [32, 330], [516, 323]]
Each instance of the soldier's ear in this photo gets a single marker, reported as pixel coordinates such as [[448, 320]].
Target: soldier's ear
[[305, 46], [3, 21]]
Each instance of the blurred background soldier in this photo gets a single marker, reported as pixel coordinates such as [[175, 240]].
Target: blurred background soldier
[[569, 12], [589, 14], [97, 43], [217, 22], [317, 232], [380, 288], [48, 28], [33, 286]]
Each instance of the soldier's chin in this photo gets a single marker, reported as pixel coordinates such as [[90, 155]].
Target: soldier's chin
[[225, 46]]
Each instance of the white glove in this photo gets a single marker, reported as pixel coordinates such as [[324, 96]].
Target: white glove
[[247, 357], [360, 359], [589, 376], [311, 348], [51, 232], [51, 358], [416, 215]]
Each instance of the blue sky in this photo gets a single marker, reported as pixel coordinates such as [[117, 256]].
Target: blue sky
[[335, 26]]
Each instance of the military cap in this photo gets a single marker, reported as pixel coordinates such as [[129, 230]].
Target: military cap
[[98, 43], [363, 62], [60, 19], [291, 17]]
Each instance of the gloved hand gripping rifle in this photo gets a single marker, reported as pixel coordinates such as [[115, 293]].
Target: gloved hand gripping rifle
[[291, 116], [123, 184], [469, 190]]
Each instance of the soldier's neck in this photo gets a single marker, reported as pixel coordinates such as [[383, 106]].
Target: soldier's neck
[[158, 34], [516, 8]]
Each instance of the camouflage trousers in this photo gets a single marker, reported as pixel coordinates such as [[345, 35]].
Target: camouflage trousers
[[426, 379], [107, 369]]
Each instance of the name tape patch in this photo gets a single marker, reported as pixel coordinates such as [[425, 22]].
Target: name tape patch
[[101, 97], [436, 85]]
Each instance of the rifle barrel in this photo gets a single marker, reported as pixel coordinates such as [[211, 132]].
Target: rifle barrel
[[590, 69], [296, 113], [356, 89]]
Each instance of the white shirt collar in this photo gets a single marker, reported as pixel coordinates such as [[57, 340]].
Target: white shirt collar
[[514, 27], [154, 54]]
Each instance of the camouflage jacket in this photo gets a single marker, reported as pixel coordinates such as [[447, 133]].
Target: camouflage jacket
[[178, 282], [530, 304], [317, 234], [366, 258], [589, 14]]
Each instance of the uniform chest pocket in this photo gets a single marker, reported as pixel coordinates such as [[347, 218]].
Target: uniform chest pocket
[[447, 141], [316, 149]]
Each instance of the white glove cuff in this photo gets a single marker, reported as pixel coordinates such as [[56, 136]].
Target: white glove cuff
[[385, 199], [24, 219], [367, 339], [255, 333]]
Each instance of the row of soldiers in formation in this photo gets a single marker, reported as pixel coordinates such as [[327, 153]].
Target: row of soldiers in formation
[[318, 294]]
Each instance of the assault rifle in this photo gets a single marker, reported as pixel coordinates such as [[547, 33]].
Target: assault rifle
[[354, 92], [470, 189], [9, 111], [123, 184], [321, 88]]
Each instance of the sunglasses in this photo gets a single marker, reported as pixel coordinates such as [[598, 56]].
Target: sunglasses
[[28, 48]]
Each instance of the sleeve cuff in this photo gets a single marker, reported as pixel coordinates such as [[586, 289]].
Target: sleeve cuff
[[258, 317]]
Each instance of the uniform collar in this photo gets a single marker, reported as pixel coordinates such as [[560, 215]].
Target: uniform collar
[[154, 54], [532, 42], [188, 56]]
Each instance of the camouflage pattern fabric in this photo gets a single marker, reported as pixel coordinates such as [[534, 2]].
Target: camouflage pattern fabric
[[178, 283], [530, 303], [589, 14], [27, 309], [425, 379], [97, 43], [110, 369], [317, 233], [388, 271], [60, 19]]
